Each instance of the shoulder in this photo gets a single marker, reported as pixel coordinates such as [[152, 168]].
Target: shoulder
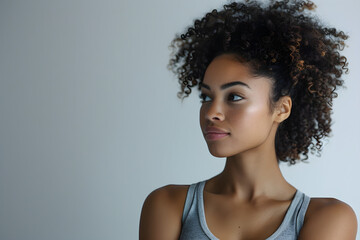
[[329, 218], [162, 211]]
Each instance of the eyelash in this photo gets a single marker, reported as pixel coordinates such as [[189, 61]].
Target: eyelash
[[203, 95]]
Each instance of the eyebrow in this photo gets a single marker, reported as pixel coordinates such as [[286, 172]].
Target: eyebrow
[[226, 85]]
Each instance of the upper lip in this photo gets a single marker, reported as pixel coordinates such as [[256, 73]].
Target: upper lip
[[214, 130]]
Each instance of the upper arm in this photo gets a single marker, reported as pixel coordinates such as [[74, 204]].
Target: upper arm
[[161, 213], [332, 220]]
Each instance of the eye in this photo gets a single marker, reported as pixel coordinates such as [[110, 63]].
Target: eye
[[202, 97], [231, 96], [235, 95]]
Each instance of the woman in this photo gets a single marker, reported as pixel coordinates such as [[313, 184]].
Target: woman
[[267, 76]]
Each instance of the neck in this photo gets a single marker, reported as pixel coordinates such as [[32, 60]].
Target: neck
[[252, 174]]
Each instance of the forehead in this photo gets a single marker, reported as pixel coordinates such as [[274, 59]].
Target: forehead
[[226, 68]]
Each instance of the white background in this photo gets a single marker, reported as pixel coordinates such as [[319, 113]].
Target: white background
[[90, 123]]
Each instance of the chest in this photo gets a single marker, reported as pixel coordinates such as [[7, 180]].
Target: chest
[[228, 220]]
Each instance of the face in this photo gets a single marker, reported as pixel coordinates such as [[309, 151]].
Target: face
[[240, 108]]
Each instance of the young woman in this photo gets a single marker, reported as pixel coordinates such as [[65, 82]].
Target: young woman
[[267, 76]]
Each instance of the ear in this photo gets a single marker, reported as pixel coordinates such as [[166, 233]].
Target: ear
[[283, 109]]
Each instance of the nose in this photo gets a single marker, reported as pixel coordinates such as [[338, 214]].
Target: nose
[[215, 112]]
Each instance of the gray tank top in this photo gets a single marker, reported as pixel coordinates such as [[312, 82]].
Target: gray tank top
[[194, 224]]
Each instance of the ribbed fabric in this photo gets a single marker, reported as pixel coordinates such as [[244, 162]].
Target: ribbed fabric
[[194, 224]]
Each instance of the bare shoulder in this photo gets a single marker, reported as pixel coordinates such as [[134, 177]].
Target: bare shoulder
[[329, 218], [161, 213]]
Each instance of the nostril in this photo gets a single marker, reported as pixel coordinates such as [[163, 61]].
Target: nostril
[[216, 116]]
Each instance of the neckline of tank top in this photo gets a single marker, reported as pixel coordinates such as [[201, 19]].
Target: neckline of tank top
[[200, 192]]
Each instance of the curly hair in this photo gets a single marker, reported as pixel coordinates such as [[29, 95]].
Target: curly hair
[[280, 41]]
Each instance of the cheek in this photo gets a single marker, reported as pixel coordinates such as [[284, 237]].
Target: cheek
[[252, 119]]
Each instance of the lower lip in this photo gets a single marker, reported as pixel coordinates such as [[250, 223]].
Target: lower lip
[[215, 136]]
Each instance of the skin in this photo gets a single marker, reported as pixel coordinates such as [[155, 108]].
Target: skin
[[249, 198]]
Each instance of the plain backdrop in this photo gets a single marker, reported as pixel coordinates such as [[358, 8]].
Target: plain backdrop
[[90, 123]]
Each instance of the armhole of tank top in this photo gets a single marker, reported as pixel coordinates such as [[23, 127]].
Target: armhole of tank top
[[188, 201], [303, 209]]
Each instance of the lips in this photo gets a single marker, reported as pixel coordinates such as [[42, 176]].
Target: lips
[[215, 136], [214, 133], [215, 130]]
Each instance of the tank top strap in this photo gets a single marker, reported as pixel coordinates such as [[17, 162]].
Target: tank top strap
[[188, 201], [303, 205]]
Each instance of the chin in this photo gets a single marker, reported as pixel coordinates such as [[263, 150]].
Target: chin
[[219, 152], [219, 155], [228, 149]]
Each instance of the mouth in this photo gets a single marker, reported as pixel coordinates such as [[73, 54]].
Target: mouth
[[211, 130], [211, 136]]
